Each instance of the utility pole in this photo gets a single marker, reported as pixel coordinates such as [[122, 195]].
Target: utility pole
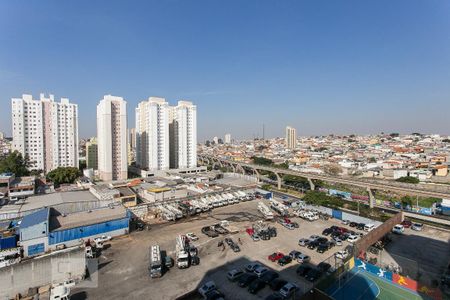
[[264, 136]]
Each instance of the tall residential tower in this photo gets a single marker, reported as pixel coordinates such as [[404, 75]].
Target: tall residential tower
[[184, 138], [112, 138], [152, 134], [46, 131], [291, 138]]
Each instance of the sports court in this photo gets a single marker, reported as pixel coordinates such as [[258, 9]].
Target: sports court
[[361, 285]]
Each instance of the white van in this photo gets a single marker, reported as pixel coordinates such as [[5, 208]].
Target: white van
[[398, 229], [369, 227]]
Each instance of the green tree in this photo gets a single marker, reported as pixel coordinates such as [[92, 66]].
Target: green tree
[[15, 163], [64, 175], [372, 160], [408, 179], [262, 161]]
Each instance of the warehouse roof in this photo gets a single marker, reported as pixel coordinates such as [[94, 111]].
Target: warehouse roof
[[60, 222], [35, 218]]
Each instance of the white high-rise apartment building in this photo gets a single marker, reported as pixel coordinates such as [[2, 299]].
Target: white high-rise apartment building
[[227, 138], [46, 131], [112, 138], [152, 134], [291, 138], [184, 135]]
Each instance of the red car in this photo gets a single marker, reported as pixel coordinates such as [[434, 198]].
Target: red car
[[406, 224], [275, 256], [250, 231], [287, 220]]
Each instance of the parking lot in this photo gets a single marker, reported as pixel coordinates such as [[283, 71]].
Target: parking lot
[[123, 266]]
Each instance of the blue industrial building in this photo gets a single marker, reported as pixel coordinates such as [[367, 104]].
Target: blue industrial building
[[46, 229], [8, 238]]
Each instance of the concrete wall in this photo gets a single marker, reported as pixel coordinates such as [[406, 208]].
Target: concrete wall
[[41, 271]]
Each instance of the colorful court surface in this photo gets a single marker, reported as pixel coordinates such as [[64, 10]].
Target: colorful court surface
[[361, 285]]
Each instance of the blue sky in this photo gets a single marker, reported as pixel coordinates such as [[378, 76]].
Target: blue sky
[[320, 66]]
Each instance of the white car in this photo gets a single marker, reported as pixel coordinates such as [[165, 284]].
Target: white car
[[207, 287], [102, 239], [417, 226], [303, 258], [399, 229], [345, 222], [341, 254], [191, 236], [353, 238], [288, 290], [338, 241]]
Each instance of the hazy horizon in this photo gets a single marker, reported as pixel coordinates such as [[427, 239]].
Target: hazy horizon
[[351, 67]]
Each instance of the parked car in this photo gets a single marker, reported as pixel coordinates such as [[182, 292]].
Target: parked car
[[195, 260], [323, 267], [255, 237], [285, 260], [294, 254], [206, 287], [353, 238], [327, 231], [303, 270], [303, 258], [246, 279], [277, 284], [235, 247], [360, 226], [214, 295], [399, 229], [251, 267], [234, 274], [168, 261], [313, 237], [256, 286], [229, 241], [303, 242], [321, 248], [192, 237], [338, 241], [275, 256], [260, 271], [345, 222], [341, 254], [406, 223], [313, 275], [102, 239], [269, 276], [417, 226], [288, 290], [312, 245], [353, 224]]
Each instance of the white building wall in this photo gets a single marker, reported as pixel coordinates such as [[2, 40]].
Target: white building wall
[[185, 135], [46, 131], [112, 138], [152, 134]]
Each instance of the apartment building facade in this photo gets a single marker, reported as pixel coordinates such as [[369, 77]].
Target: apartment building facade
[[46, 131], [184, 135], [291, 137], [152, 134], [112, 138]]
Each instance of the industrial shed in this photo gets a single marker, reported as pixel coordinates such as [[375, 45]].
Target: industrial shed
[[71, 229]]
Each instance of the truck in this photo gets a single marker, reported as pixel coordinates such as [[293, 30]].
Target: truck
[[182, 254], [227, 225], [279, 207], [155, 267], [266, 212]]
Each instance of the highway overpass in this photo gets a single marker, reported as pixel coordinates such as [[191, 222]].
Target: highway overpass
[[426, 190]]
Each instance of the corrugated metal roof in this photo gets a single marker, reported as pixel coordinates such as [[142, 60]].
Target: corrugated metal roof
[[35, 218]]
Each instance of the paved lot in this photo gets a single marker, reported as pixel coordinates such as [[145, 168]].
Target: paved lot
[[420, 254], [123, 266]]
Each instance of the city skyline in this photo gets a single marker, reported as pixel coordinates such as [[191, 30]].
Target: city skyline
[[344, 68]]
